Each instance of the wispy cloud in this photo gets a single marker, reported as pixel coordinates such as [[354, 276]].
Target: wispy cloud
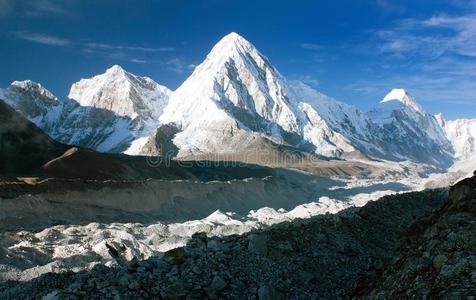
[[39, 8], [48, 7], [134, 54], [433, 57], [87, 46], [177, 65], [434, 37], [115, 52], [140, 61], [42, 38], [102, 46], [308, 79]]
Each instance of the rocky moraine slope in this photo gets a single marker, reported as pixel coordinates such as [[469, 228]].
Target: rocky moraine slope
[[413, 245]]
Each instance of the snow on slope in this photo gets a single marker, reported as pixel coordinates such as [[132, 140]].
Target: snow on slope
[[341, 119], [402, 96], [462, 134], [108, 111], [35, 102], [233, 81], [234, 98], [122, 93], [409, 133], [237, 90]]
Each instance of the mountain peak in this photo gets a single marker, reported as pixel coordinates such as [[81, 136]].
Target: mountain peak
[[33, 86], [231, 44], [121, 92], [402, 96], [115, 69], [233, 37]]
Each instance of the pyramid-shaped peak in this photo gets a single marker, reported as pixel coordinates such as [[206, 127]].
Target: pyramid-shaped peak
[[403, 96], [230, 43], [233, 37], [396, 94]]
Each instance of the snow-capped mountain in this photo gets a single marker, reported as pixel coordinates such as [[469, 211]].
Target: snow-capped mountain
[[236, 93], [462, 134], [401, 95], [35, 102], [236, 100], [408, 132], [105, 113], [123, 93]]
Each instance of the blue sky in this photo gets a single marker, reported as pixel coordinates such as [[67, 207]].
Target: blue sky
[[354, 51]]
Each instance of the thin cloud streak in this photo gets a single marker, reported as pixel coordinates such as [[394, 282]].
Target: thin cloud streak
[[431, 38], [42, 7], [102, 46], [140, 61], [309, 80], [115, 52], [42, 38], [178, 66], [89, 46]]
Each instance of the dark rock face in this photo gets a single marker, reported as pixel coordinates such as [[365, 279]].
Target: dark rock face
[[23, 146], [160, 144], [437, 255]]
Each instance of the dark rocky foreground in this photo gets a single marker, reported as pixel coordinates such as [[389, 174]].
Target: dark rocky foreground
[[412, 245], [437, 254]]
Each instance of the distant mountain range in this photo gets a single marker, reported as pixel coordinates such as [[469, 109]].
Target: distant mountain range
[[234, 101]]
